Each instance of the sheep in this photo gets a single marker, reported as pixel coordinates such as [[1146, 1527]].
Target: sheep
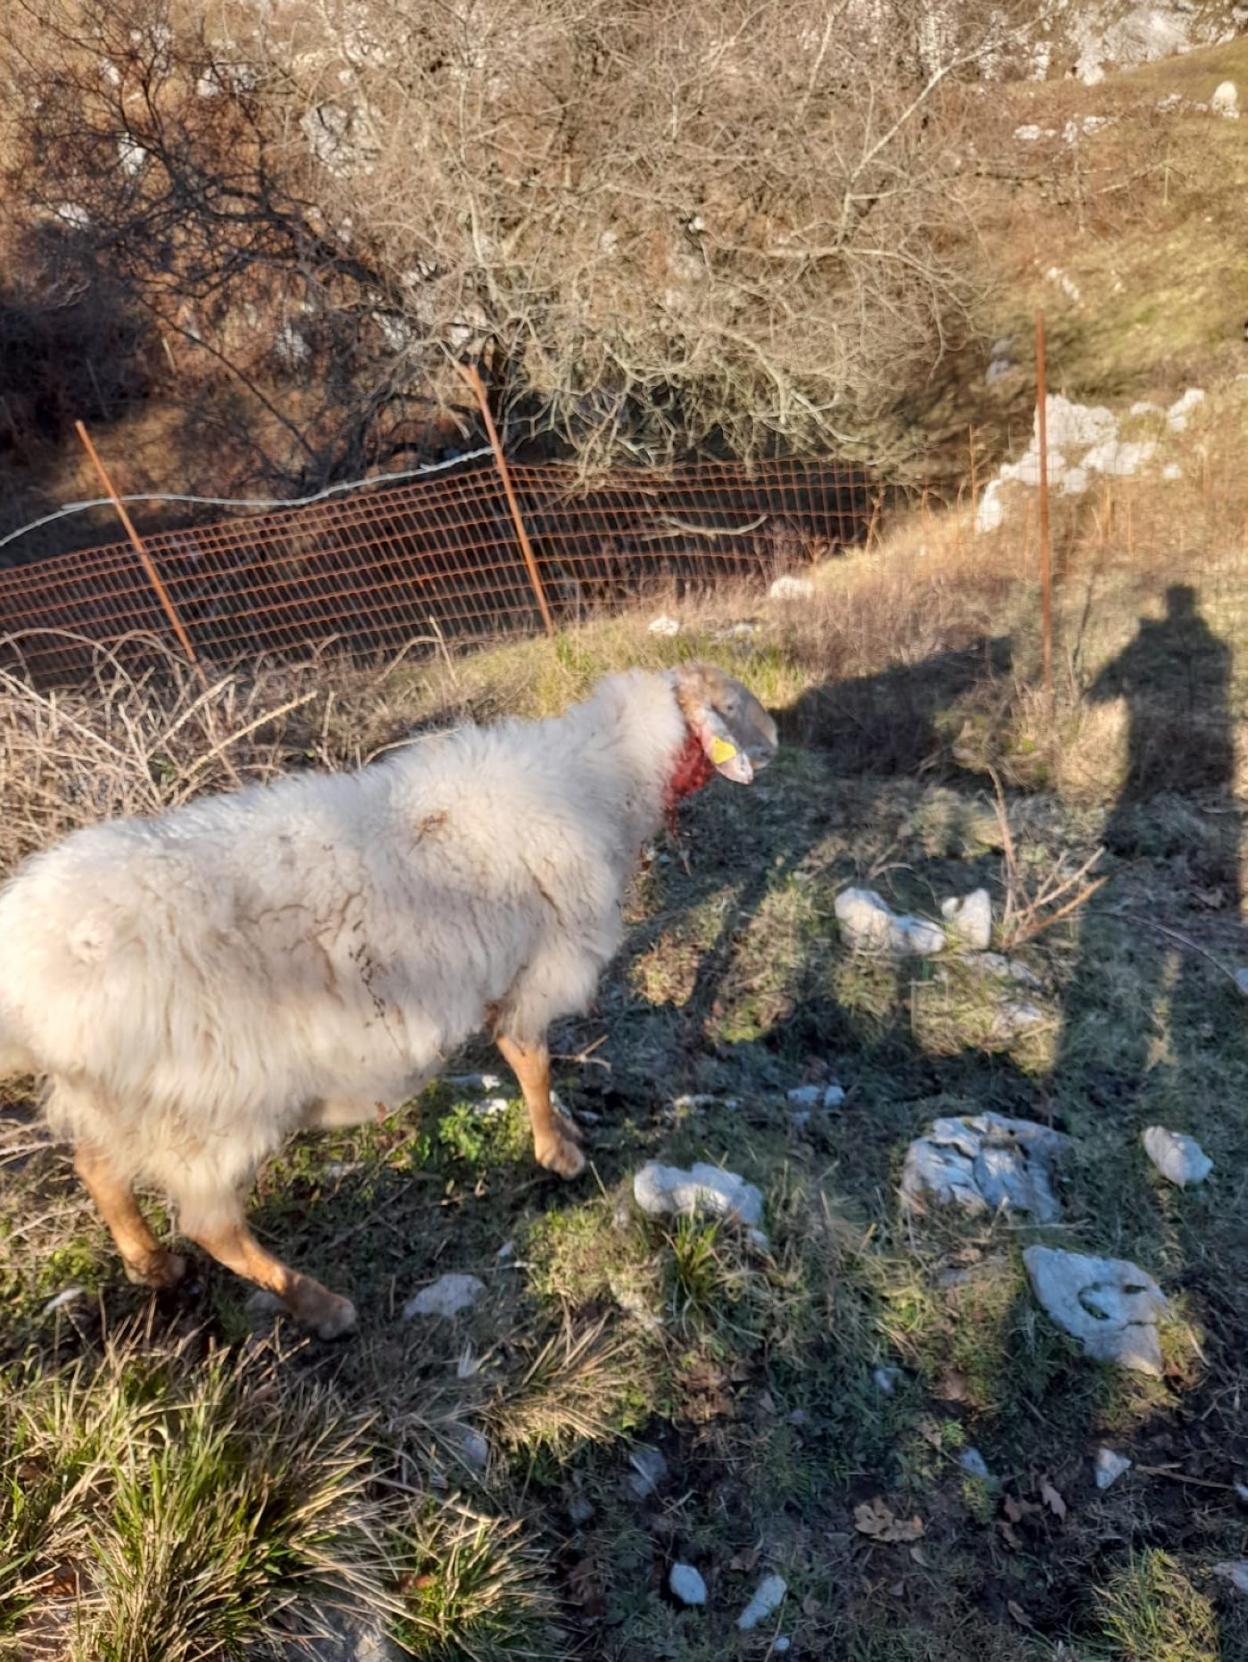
[[195, 988]]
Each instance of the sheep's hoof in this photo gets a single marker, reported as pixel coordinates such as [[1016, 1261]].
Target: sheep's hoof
[[331, 1318], [561, 1155], [160, 1270]]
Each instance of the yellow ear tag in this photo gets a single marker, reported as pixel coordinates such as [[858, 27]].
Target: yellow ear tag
[[722, 751]]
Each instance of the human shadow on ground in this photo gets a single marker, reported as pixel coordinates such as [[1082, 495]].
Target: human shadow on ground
[[1151, 1022], [1175, 806]]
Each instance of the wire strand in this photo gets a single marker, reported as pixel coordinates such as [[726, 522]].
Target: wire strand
[[248, 501]]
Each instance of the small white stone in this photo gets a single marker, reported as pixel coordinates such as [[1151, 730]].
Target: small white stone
[[490, 1106], [131, 155], [473, 1449], [580, 1510], [780, 1644], [666, 1190], [870, 925], [916, 937], [791, 588], [1241, 980], [475, 1081], [447, 1296], [984, 1163], [973, 1464], [1014, 1018], [1073, 426], [72, 214], [664, 626], [996, 963], [506, 1253], [1225, 100], [687, 1585], [1176, 1156], [827, 1097], [1235, 1571], [805, 1096], [649, 1470], [1172, 471], [1119, 457], [886, 1379], [1064, 282], [1109, 1305], [1179, 413], [768, 1596], [969, 918], [1026, 470], [1109, 1466], [990, 514]]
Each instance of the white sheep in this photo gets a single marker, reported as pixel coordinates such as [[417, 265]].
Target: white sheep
[[197, 987]]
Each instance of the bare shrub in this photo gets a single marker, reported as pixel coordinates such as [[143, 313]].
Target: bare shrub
[[656, 226]]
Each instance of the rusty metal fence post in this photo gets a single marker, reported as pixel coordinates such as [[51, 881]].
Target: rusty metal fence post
[[1046, 555], [471, 375], [149, 565]]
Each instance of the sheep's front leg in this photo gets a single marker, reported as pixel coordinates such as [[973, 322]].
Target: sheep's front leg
[[231, 1243], [555, 1138], [146, 1261]]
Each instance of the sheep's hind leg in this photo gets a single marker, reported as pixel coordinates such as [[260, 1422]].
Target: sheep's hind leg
[[231, 1243], [146, 1261], [555, 1138]]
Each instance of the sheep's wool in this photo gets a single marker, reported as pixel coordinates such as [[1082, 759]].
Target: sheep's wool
[[198, 986]]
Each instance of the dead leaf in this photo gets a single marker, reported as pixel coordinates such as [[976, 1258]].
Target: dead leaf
[[1018, 1613], [953, 1386], [1017, 1510], [1009, 1535], [587, 1588], [1051, 1498], [877, 1519]]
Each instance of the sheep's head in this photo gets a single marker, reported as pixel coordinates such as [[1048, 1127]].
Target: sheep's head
[[733, 732]]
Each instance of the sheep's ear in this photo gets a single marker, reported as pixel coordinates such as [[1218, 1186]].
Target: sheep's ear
[[722, 750]]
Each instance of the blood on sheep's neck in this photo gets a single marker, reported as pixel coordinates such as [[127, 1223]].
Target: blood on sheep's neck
[[690, 772]]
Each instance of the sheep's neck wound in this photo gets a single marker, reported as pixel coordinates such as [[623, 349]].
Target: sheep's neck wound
[[692, 770]]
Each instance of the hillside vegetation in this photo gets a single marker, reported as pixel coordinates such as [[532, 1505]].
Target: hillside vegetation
[[250, 257]]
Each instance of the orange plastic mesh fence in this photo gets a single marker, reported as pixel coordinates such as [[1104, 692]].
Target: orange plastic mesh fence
[[436, 558]]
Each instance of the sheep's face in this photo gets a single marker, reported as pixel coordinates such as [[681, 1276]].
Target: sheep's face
[[736, 734]]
